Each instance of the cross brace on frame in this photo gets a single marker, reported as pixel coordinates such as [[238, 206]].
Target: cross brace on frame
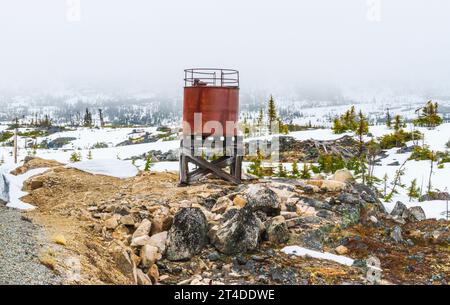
[[231, 158]]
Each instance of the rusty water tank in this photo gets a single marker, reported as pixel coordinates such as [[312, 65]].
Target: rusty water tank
[[213, 93]]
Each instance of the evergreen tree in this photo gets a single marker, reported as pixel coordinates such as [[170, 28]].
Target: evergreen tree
[[75, 157], [413, 190], [429, 116], [271, 113], [260, 118], [148, 163], [295, 172], [361, 130], [305, 174], [255, 166], [89, 155], [338, 127], [87, 120], [388, 119], [398, 123], [281, 171]]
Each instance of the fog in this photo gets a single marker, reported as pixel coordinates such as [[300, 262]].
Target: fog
[[276, 45]]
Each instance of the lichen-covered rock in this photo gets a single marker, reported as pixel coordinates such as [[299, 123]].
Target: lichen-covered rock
[[399, 209], [238, 234], [435, 196], [414, 214], [347, 198], [188, 234], [396, 234], [262, 198], [277, 230]]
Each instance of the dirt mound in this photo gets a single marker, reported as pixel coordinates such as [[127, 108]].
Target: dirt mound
[[34, 162]]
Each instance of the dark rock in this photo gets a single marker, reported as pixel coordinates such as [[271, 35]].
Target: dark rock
[[396, 234], [285, 276], [396, 163], [261, 198], [414, 214], [324, 214], [238, 234], [313, 239], [317, 204], [311, 219], [347, 198], [277, 230], [214, 256], [406, 149], [188, 234], [351, 214], [60, 142], [435, 196], [399, 209]]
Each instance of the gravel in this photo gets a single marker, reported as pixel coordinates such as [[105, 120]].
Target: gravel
[[19, 248]]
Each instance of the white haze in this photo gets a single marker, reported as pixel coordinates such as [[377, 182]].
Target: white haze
[[277, 45]]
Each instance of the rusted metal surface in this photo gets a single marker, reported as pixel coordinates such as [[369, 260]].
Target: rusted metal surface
[[219, 104], [213, 93]]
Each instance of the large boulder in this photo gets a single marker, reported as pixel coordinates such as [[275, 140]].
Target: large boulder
[[188, 234], [238, 234], [342, 175], [414, 214], [262, 198]]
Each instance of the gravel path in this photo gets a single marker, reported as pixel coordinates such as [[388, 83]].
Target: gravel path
[[19, 263]]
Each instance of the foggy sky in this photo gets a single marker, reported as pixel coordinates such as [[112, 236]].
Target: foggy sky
[[146, 44]]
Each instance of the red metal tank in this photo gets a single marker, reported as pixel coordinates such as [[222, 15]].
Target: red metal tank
[[213, 93]]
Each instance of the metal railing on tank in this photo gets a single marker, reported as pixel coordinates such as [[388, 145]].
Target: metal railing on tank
[[211, 77]]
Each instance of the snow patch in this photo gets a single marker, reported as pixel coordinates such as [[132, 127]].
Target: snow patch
[[15, 184], [300, 251], [109, 167]]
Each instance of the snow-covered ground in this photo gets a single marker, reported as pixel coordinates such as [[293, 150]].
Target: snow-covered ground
[[112, 160]]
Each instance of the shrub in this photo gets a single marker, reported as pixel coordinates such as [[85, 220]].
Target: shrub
[[75, 157], [330, 163]]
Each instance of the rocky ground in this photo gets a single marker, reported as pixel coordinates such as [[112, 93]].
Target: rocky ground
[[146, 230], [20, 244]]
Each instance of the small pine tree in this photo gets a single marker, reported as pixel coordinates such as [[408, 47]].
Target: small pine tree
[[295, 172], [89, 155], [260, 118], [388, 119], [305, 174], [75, 157], [361, 130], [281, 171], [255, 167], [271, 113], [148, 163], [413, 190], [338, 127]]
